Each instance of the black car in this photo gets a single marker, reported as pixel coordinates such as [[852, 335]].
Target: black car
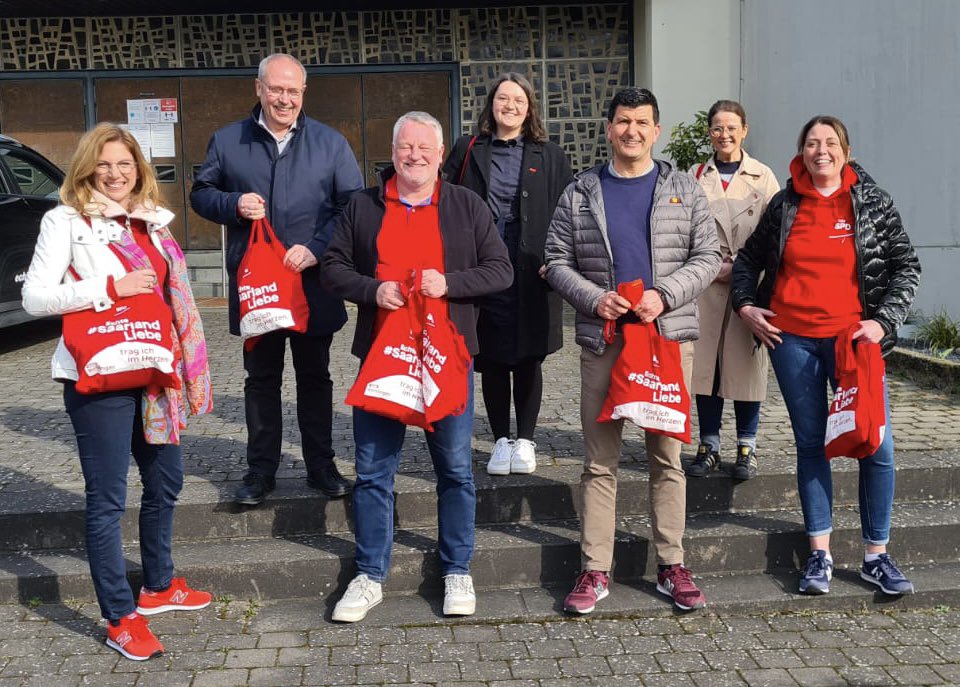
[[29, 186]]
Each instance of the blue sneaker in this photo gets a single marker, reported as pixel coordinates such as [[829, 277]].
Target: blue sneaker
[[817, 574], [884, 573]]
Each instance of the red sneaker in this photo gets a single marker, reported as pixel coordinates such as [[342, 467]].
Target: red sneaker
[[177, 597], [132, 637], [677, 583], [590, 588]]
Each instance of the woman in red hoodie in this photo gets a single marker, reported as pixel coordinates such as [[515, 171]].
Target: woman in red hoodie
[[833, 253]]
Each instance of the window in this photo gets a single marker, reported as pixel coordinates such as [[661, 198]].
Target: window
[[32, 178]]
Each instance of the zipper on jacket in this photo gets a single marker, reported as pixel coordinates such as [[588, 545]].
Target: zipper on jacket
[[858, 246]]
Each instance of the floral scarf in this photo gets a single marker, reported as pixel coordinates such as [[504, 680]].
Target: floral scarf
[[165, 409]]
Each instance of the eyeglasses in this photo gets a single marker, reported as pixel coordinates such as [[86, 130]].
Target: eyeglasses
[[519, 103], [720, 130], [407, 148], [277, 91], [124, 167]]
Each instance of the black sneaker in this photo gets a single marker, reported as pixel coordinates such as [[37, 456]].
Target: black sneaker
[[746, 467], [706, 460], [329, 481], [254, 488]]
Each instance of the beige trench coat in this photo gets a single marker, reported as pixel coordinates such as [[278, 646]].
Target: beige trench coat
[[726, 361]]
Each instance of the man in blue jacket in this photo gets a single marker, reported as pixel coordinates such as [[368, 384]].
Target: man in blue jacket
[[298, 173]]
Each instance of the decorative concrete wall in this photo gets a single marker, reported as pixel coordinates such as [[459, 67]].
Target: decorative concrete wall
[[576, 55]]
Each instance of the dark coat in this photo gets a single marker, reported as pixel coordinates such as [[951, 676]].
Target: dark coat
[[545, 173], [888, 271], [475, 260], [305, 188]]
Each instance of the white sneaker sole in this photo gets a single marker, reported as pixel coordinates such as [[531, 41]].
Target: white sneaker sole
[[522, 469], [353, 615], [169, 607], [133, 657], [460, 608], [584, 611], [497, 469]]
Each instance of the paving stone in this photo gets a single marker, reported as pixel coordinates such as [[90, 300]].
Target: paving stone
[[354, 655], [435, 672], [782, 640], [534, 668], [461, 652], [729, 660], [915, 675], [816, 677], [250, 658], [874, 676], [776, 658], [329, 675], [303, 656], [484, 671], [717, 678], [814, 658], [503, 650], [221, 678], [825, 638], [475, 633], [281, 639], [175, 678], [275, 677], [384, 672], [632, 663], [552, 648], [769, 677], [914, 654]]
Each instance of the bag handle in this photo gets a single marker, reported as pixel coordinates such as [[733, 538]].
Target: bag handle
[[466, 159], [845, 358]]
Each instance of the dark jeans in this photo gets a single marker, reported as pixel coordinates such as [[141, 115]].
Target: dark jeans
[[379, 441], [108, 427], [527, 395], [804, 366], [710, 411], [261, 391]]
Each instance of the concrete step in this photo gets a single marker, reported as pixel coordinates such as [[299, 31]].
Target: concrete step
[[506, 555], [205, 275], [727, 595], [204, 258], [207, 289], [38, 520]]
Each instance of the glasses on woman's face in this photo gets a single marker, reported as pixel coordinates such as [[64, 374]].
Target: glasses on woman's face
[[719, 131], [125, 167]]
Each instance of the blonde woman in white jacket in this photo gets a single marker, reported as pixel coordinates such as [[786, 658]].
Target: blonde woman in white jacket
[[727, 363], [110, 210]]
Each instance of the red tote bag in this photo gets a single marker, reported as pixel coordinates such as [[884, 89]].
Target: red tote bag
[[446, 361], [271, 296], [857, 421], [127, 346], [646, 383], [390, 382]]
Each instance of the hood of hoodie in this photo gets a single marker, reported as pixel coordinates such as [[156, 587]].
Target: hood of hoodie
[[803, 182]]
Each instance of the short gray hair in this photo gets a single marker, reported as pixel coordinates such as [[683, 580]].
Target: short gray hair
[[262, 69], [419, 118]]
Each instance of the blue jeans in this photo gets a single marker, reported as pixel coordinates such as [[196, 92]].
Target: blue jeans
[[379, 440], [108, 427], [803, 366], [710, 411]]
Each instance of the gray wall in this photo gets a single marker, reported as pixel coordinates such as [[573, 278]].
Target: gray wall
[[891, 71]]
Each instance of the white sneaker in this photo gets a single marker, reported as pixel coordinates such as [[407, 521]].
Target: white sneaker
[[500, 457], [523, 460], [362, 594], [459, 598]]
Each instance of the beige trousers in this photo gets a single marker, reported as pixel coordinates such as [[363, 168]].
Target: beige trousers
[[598, 484]]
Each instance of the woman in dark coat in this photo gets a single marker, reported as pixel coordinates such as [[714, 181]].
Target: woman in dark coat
[[520, 174]]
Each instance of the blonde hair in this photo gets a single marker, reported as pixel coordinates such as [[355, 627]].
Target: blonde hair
[[80, 181]]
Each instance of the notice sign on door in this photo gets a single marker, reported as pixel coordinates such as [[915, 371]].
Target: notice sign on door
[[168, 109], [152, 110]]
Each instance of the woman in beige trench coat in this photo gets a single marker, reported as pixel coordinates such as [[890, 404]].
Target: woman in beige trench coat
[[727, 364]]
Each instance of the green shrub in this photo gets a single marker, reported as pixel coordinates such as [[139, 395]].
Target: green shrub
[[940, 334], [689, 143]]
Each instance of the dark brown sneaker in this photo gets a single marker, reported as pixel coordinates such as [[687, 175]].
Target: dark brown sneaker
[[706, 460], [746, 466]]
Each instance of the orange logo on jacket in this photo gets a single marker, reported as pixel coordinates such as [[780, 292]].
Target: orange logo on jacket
[[674, 200]]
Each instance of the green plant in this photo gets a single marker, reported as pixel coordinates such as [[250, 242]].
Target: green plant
[[689, 143], [940, 334], [34, 602]]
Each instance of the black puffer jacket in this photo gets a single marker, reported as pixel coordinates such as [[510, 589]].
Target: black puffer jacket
[[888, 270]]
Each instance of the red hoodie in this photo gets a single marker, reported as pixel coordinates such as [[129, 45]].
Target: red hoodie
[[816, 293]]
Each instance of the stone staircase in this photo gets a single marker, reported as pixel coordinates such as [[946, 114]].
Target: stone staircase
[[744, 541], [205, 269]]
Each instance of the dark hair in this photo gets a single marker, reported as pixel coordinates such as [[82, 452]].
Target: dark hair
[[532, 126], [727, 106], [632, 98], [835, 124]]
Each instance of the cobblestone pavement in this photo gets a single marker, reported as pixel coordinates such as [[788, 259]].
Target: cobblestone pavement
[[281, 644], [39, 448]]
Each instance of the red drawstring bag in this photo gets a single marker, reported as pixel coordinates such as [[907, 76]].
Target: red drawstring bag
[[446, 361], [271, 296], [857, 422], [646, 383], [127, 346], [390, 382], [416, 370]]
